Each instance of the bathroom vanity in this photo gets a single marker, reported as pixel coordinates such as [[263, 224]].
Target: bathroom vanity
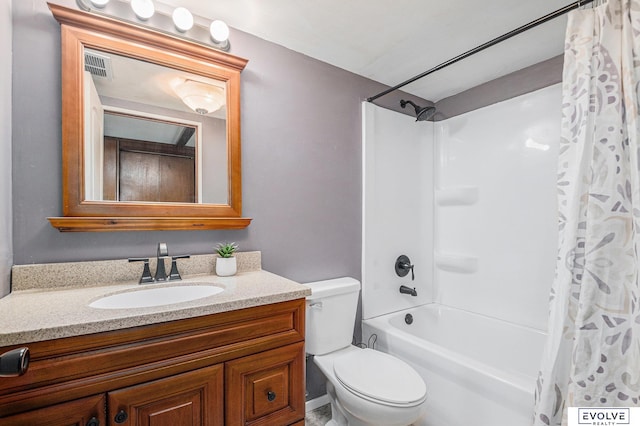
[[235, 358]]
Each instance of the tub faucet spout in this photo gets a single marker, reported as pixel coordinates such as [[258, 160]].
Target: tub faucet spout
[[408, 290]]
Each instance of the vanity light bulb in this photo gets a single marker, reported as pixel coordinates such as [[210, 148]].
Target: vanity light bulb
[[183, 19], [99, 3], [219, 31], [144, 9]]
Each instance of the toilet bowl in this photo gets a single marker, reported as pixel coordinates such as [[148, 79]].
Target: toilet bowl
[[365, 386]]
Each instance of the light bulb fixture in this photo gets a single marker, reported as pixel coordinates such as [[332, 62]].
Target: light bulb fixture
[[144, 9], [201, 97], [215, 34], [219, 31], [182, 19], [99, 3]]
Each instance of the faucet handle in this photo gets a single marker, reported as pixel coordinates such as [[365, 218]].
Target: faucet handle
[[146, 272], [174, 274], [403, 266]]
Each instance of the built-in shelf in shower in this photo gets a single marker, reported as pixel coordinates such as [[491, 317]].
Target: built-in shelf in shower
[[457, 196], [459, 263]]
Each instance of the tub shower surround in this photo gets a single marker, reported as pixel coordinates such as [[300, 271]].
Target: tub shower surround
[[496, 214], [397, 217], [483, 239]]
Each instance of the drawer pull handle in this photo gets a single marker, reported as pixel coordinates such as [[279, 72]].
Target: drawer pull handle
[[271, 396], [93, 422], [121, 417]]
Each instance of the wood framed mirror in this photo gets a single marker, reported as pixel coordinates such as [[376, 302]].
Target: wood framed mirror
[[150, 129]]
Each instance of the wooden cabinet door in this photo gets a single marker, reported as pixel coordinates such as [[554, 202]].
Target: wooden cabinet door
[[154, 177], [195, 398], [266, 388], [81, 412]]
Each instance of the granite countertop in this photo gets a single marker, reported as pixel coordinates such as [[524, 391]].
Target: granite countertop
[[42, 314]]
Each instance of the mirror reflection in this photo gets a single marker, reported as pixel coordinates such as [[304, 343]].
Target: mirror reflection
[[152, 133]]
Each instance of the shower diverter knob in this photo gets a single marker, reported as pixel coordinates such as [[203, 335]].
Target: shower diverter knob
[[403, 266]]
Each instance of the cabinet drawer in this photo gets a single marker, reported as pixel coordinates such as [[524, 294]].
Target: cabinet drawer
[[81, 412], [188, 399], [266, 388]]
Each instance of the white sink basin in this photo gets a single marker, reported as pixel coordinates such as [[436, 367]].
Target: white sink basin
[[148, 297]]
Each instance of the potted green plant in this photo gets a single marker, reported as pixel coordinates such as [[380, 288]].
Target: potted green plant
[[226, 264]]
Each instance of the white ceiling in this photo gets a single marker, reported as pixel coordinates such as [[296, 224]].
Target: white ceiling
[[391, 41]]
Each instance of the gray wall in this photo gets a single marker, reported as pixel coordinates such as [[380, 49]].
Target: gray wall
[[6, 246], [518, 83]]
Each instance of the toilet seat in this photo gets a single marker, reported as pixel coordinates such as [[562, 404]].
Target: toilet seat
[[380, 378]]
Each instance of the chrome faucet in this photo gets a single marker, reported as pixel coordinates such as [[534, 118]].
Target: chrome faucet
[[408, 290]]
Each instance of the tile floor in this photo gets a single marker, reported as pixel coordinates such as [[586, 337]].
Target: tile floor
[[319, 416]]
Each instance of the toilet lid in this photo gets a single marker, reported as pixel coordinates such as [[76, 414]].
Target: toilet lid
[[380, 376]]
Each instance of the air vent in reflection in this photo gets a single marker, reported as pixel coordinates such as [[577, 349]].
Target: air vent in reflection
[[98, 65]]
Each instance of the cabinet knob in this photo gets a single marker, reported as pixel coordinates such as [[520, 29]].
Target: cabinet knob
[[271, 396], [121, 417], [93, 422]]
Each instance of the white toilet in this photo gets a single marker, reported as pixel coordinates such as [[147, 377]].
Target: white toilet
[[366, 387]]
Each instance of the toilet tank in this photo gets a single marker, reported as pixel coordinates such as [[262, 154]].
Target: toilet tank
[[331, 314]]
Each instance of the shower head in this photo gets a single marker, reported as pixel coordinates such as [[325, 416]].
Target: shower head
[[422, 114]]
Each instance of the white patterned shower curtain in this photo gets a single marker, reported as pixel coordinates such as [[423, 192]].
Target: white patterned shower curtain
[[592, 356]]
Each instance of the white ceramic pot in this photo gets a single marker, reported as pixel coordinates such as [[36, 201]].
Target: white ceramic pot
[[226, 266]]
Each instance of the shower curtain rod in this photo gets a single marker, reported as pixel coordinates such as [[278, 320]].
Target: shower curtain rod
[[490, 43]]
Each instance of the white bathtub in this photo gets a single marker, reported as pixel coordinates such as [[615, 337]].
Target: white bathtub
[[479, 371]]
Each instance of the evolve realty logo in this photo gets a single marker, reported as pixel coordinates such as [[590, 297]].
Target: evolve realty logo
[[604, 416]]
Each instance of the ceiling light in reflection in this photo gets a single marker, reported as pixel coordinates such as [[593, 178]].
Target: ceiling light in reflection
[[203, 98]]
